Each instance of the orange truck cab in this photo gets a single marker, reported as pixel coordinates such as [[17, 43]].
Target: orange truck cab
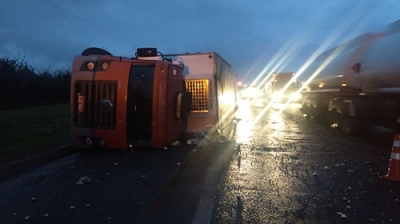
[[120, 102]]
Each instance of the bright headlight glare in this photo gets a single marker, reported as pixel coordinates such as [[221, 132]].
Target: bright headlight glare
[[295, 96], [277, 96]]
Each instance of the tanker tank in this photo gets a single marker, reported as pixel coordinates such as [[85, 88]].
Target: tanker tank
[[357, 83]]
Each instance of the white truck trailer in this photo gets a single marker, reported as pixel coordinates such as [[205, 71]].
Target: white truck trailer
[[212, 82]]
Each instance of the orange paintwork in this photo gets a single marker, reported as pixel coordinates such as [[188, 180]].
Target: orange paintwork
[[168, 82], [118, 71]]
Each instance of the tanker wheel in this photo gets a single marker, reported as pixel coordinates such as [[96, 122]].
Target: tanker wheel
[[334, 119], [349, 125], [311, 113], [308, 112], [315, 114]]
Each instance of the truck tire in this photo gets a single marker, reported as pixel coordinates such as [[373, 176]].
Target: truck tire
[[348, 124]]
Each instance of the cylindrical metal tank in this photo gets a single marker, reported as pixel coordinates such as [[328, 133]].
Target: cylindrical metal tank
[[341, 66], [380, 65]]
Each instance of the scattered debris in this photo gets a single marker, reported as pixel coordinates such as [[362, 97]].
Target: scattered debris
[[203, 140], [83, 180], [193, 141], [176, 143], [343, 216], [204, 143]]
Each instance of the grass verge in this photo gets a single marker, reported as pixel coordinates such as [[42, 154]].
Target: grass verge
[[30, 131]]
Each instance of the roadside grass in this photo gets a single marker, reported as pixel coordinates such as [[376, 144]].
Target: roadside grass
[[29, 131]]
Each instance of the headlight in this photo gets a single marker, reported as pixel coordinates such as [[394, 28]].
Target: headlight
[[102, 142], [105, 65], [90, 65], [88, 141]]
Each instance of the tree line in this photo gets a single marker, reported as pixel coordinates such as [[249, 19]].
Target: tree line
[[22, 86]]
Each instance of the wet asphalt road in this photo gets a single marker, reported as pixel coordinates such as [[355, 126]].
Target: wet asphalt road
[[290, 170], [138, 186], [283, 169]]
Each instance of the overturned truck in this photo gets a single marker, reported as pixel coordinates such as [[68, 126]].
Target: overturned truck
[[148, 100]]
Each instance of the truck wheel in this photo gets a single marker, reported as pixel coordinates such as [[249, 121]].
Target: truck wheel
[[334, 119], [349, 124], [306, 109], [315, 114]]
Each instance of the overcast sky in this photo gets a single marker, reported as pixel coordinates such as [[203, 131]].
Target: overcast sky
[[251, 35]]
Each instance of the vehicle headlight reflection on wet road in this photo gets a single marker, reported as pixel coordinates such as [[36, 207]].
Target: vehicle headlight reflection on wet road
[[245, 127]]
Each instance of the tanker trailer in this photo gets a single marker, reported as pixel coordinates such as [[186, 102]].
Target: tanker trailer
[[357, 83]]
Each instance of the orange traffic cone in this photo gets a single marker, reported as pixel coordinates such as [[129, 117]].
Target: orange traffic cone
[[394, 163]]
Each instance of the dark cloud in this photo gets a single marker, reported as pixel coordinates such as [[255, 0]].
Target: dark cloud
[[248, 34]]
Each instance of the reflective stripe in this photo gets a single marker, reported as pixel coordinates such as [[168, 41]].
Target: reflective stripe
[[395, 156], [396, 143]]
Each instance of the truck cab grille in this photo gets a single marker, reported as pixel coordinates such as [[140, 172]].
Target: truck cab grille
[[95, 104]]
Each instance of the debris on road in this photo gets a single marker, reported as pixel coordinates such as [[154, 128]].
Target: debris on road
[[83, 180], [176, 143], [343, 216]]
